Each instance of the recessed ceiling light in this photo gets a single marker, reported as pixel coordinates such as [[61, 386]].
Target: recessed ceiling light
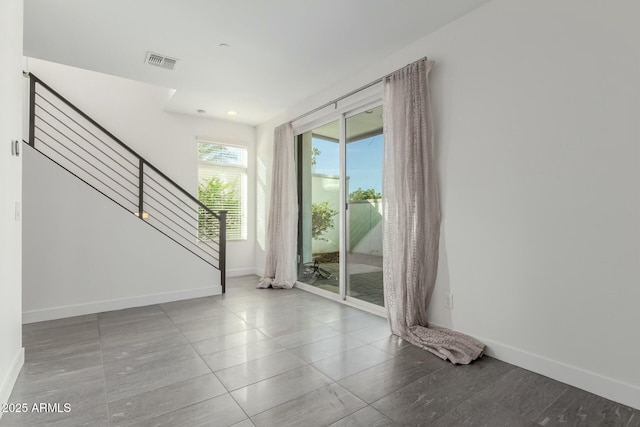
[[232, 113], [223, 45], [201, 111]]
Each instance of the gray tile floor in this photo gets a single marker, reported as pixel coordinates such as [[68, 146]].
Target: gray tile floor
[[273, 358]]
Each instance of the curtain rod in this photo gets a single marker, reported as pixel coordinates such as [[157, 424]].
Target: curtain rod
[[353, 92]]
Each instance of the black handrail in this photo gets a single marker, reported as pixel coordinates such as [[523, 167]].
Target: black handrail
[[143, 167], [35, 79]]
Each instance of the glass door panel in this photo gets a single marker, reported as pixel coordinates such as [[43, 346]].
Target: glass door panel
[[364, 151], [318, 162]]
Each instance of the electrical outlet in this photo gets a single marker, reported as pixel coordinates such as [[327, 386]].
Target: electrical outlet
[[449, 302]]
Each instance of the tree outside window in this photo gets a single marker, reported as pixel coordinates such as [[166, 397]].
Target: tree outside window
[[222, 185]]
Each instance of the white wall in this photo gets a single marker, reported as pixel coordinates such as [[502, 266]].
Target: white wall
[[85, 254], [133, 112], [11, 84], [365, 213], [537, 104], [326, 188]]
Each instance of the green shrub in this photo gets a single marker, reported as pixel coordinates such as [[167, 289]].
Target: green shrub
[[361, 194], [321, 219], [217, 195]]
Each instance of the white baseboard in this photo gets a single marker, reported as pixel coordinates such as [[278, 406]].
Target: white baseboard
[[241, 272], [110, 305], [10, 379], [258, 272], [608, 388]]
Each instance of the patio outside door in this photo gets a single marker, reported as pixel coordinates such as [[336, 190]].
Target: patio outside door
[[340, 225]]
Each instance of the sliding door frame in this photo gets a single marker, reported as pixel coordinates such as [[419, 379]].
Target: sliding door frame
[[341, 115]]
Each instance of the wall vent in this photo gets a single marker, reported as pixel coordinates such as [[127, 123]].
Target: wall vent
[[161, 61]]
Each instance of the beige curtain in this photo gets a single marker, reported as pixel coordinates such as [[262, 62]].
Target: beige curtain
[[412, 216], [282, 227]]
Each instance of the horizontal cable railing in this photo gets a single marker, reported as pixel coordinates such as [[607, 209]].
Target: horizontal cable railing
[[63, 133]]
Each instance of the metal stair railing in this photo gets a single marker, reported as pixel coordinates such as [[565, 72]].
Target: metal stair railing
[[70, 138]]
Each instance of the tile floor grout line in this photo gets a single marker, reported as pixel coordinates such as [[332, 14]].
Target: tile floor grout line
[[145, 418], [185, 407], [234, 399], [206, 364], [195, 351], [356, 372], [153, 352], [304, 361], [190, 344], [104, 374], [426, 374], [309, 392], [262, 379]]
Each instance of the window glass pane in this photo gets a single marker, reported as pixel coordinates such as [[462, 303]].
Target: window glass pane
[[222, 187], [364, 151], [222, 154], [319, 233]]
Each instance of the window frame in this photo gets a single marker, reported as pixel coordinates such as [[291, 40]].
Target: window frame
[[242, 169]]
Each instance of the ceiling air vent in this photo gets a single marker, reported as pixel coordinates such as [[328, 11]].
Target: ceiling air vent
[[161, 61]]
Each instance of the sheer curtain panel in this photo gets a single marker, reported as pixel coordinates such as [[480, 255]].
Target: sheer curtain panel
[[282, 227], [412, 217]]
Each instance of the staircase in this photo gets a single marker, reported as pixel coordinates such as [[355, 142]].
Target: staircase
[[67, 136]]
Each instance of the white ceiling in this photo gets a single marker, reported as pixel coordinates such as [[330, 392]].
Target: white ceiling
[[281, 51]]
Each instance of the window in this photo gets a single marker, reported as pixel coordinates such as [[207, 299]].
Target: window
[[222, 185]]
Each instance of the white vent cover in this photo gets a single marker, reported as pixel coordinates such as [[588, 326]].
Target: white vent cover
[[161, 61]]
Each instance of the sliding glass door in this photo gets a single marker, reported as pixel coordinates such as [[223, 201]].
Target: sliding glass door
[[340, 194], [319, 196], [364, 144]]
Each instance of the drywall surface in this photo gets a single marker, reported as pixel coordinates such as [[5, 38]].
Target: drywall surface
[[85, 253], [11, 85], [536, 106], [133, 112]]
